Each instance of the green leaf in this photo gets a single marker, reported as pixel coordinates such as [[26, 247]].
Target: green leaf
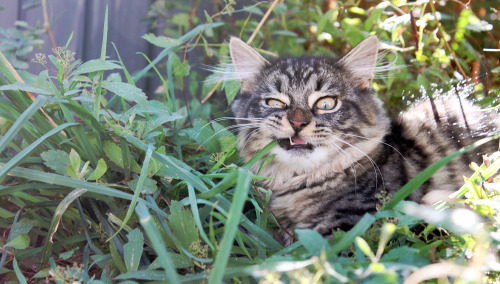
[[24, 87], [231, 88], [138, 189], [312, 241], [154, 236], [160, 119], [20, 122], [99, 171], [149, 186], [74, 164], [26, 151], [95, 65], [57, 160], [127, 91], [114, 153], [20, 242], [68, 254], [132, 251], [19, 273], [233, 219], [161, 41], [54, 224], [183, 225]]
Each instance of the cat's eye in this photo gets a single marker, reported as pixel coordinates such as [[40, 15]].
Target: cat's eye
[[274, 103], [326, 103]]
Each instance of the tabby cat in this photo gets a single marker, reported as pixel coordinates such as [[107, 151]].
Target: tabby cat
[[337, 148]]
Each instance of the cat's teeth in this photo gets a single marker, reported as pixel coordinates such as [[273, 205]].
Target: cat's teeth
[[291, 142]]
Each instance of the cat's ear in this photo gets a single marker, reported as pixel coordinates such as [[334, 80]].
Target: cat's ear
[[247, 62], [361, 61]]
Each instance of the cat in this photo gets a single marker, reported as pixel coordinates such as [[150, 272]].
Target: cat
[[337, 148]]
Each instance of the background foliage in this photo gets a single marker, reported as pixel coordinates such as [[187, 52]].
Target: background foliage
[[102, 183]]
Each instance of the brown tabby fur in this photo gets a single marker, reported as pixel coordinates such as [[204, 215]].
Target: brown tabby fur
[[330, 163]]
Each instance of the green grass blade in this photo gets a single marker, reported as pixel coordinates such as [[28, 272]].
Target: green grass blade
[[260, 154], [20, 121], [51, 178], [138, 189], [361, 227], [226, 182], [97, 102], [26, 151], [125, 71], [235, 213], [196, 215], [159, 246], [54, 224], [18, 272]]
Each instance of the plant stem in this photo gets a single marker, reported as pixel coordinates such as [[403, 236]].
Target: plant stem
[[46, 23]]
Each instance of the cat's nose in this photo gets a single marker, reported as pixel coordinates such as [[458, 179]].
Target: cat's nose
[[298, 125], [298, 118]]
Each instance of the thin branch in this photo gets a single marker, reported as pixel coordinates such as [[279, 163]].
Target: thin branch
[[46, 23]]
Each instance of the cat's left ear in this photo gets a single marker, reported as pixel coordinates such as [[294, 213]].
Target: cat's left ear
[[361, 61], [247, 62]]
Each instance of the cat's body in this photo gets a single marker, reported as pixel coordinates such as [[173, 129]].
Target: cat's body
[[336, 146]]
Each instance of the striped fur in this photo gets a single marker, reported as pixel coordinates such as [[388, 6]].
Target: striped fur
[[337, 147]]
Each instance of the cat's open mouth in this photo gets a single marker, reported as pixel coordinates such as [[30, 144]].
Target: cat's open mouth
[[294, 143]]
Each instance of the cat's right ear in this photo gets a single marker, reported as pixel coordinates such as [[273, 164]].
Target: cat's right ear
[[247, 62]]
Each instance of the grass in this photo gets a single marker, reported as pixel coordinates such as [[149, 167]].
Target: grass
[[97, 188]]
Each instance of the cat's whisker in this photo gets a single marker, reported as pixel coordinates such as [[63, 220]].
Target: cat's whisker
[[226, 118], [237, 126], [249, 135], [350, 164], [382, 142], [375, 166]]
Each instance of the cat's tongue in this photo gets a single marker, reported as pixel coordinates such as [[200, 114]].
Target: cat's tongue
[[297, 141]]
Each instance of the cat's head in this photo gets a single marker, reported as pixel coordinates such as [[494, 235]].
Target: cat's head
[[322, 111]]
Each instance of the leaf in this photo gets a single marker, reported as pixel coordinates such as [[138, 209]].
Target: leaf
[[181, 70], [231, 225], [183, 225], [22, 241], [99, 171], [54, 224], [127, 91], [95, 65], [20, 228], [114, 153], [19, 273], [24, 87], [132, 251], [154, 236], [20, 122], [158, 120], [161, 41], [231, 88], [68, 254], [57, 160], [149, 185], [74, 164], [312, 241], [204, 135], [179, 260]]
